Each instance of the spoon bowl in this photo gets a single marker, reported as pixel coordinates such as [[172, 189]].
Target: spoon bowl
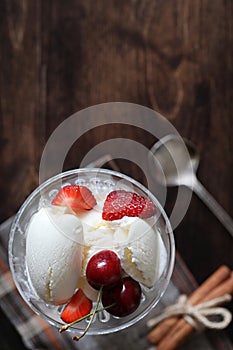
[[175, 162]]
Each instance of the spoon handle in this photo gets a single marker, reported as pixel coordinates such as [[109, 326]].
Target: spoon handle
[[213, 205]]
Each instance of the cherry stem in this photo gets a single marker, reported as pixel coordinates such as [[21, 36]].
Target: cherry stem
[[92, 314], [78, 337]]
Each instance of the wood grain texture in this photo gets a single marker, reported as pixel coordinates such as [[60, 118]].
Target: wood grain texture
[[59, 57]]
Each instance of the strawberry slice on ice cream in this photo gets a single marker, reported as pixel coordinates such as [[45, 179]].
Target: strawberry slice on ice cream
[[122, 203], [75, 197], [78, 306]]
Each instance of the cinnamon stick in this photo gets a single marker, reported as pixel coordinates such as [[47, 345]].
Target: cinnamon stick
[[220, 275], [182, 329]]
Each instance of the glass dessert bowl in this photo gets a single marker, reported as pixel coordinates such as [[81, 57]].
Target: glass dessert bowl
[[58, 249]]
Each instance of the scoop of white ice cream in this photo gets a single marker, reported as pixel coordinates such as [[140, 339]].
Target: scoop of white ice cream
[[133, 239], [97, 235], [139, 252], [100, 234], [54, 254]]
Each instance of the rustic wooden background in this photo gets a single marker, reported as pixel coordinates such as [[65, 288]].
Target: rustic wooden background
[[175, 56]]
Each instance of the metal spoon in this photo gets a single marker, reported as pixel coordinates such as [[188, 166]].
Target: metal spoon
[[179, 165]]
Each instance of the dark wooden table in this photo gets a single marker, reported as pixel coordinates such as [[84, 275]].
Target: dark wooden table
[[58, 57]]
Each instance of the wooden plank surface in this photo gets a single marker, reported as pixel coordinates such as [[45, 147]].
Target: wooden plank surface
[[58, 57]]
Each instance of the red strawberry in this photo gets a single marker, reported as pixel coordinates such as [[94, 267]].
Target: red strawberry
[[121, 203], [75, 197], [78, 306]]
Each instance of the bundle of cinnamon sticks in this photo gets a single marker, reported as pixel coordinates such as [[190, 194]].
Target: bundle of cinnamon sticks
[[172, 332]]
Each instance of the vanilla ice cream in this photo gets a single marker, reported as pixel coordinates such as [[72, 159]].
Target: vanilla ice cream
[[54, 254], [98, 235], [139, 252], [133, 239], [60, 244]]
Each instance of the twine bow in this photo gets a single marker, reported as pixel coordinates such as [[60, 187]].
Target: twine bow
[[198, 315]]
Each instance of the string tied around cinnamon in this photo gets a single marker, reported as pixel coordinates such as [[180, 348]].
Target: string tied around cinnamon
[[199, 316]]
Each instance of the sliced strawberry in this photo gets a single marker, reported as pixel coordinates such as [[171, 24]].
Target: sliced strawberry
[[121, 203], [75, 197], [78, 306]]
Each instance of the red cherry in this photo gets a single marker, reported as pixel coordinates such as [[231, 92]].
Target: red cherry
[[125, 295], [103, 269]]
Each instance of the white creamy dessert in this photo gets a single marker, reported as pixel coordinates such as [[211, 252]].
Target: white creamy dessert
[[137, 244], [53, 254], [60, 244], [140, 254]]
